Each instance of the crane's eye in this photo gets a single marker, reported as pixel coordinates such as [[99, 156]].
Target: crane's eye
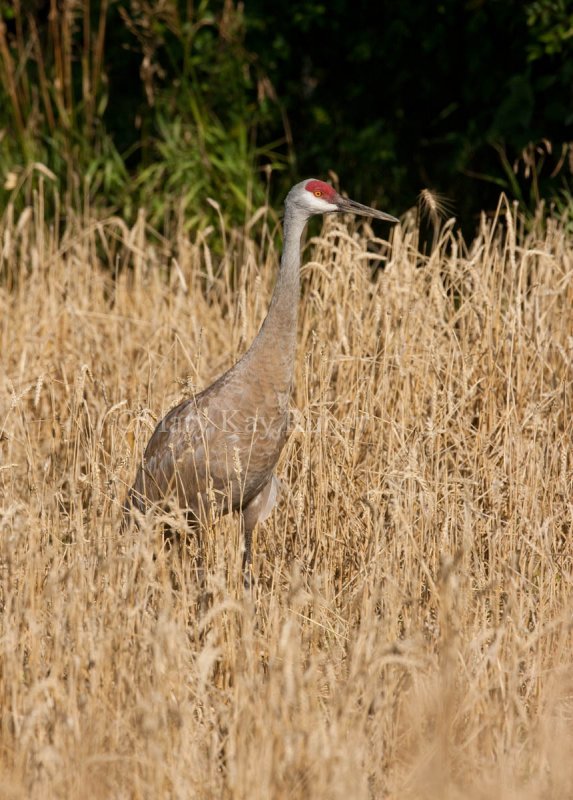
[[318, 193]]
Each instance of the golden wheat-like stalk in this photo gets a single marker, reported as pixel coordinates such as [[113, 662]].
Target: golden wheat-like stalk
[[434, 205], [412, 630]]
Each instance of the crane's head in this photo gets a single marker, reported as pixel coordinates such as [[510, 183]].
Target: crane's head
[[317, 197]]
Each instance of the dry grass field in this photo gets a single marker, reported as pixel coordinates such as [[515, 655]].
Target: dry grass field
[[411, 631]]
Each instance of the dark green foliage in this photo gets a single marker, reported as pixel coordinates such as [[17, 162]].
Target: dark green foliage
[[397, 96], [162, 105], [134, 105]]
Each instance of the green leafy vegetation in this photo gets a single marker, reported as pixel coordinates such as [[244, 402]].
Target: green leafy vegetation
[[134, 105], [163, 105]]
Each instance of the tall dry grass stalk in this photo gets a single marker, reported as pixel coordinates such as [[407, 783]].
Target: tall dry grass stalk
[[411, 635]]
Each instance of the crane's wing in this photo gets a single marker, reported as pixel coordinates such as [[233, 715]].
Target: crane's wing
[[202, 453], [219, 446], [181, 459]]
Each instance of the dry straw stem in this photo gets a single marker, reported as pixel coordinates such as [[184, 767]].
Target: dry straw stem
[[411, 635]]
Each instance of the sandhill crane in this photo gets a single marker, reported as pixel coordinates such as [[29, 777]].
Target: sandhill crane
[[220, 447]]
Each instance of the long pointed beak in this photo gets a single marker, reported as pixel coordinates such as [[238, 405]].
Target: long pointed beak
[[353, 207]]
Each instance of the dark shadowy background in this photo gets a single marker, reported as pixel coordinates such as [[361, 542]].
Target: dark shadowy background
[[163, 104]]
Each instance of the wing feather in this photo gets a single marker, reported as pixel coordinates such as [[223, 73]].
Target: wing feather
[[224, 442]]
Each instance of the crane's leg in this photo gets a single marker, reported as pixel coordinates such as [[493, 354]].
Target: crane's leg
[[248, 559], [256, 511]]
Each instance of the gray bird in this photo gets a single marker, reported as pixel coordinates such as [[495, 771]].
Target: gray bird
[[218, 449]]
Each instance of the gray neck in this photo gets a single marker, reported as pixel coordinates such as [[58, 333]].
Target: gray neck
[[277, 337]]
